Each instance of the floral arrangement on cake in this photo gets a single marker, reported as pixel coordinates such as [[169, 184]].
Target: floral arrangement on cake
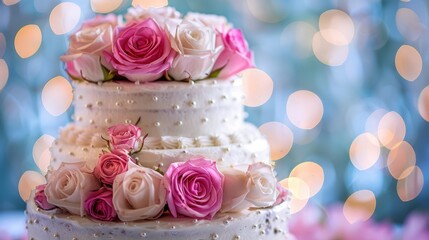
[[119, 188], [150, 44]]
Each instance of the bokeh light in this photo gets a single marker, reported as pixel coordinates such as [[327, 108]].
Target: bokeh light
[[300, 193], [400, 160], [364, 151], [359, 206], [64, 17], [336, 27], [408, 23], [105, 6], [373, 121], [28, 40], [297, 36], [258, 87], [312, 174], [410, 187], [4, 73], [150, 3], [41, 152], [423, 103], [2, 44], [10, 2], [391, 130], [57, 96], [264, 10], [28, 182], [280, 138], [328, 53], [304, 109], [408, 62]]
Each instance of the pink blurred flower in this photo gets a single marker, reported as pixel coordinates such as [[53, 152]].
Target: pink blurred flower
[[416, 227], [194, 188]]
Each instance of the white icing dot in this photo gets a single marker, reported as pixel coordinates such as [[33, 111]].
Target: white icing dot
[[204, 120], [79, 119], [130, 101], [119, 88], [179, 123], [173, 227], [157, 124], [128, 121], [91, 121], [99, 103], [107, 120], [155, 98], [45, 229], [176, 107], [195, 221], [118, 104], [236, 237], [224, 97], [56, 235], [215, 236], [211, 101], [225, 120], [143, 234]]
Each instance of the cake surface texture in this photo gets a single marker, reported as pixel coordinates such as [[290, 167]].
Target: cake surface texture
[[158, 147]]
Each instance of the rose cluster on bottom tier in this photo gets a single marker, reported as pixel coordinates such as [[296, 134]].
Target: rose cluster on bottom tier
[[119, 188]]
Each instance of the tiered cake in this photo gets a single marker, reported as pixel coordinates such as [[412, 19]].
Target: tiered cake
[[162, 151]]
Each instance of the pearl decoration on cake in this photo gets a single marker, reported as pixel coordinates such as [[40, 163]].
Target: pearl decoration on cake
[[215, 236], [204, 120], [88, 105], [179, 123], [119, 88], [130, 101], [45, 229], [91, 121], [118, 104], [211, 101], [143, 234], [98, 103], [155, 98], [176, 107], [192, 104], [127, 121], [56, 235], [236, 237], [107, 120], [157, 124]]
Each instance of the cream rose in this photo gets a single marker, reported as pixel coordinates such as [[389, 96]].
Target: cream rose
[[263, 189], [84, 58], [69, 186], [197, 48], [235, 189], [210, 20], [138, 194]]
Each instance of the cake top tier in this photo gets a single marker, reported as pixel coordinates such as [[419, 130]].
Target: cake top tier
[[155, 44], [162, 108]]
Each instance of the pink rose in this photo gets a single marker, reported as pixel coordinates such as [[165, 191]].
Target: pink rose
[[111, 165], [194, 188], [84, 59], [139, 194], [99, 205], [69, 185], [283, 194], [141, 51], [166, 17], [235, 189], [124, 136], [236, 55], [41, 200]]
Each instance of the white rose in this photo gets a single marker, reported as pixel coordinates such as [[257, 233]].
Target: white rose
[[217, 22], [197, 48], [263, 188], [69, 186], [235, 189], [166, 17], [138, 194]]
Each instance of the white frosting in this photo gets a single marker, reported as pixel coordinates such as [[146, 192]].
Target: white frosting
[[165, 108], [235, 155], [269, 224]]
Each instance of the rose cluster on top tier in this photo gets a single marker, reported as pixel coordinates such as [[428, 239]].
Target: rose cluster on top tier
[[149, 44], [120, 188]]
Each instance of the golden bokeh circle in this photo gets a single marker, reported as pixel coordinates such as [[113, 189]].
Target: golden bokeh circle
[[150, 3], [410, 187], [279, 137], [4, 73], [41, 152], [423, 103], [359, 206], [28, 40], [364, 151], [312, 174], [304, 109], [105, 6], [258, 87], [328, 53], [400, 160], [299, 191], [336, 27], [28, 182], [408, 62], [391, 130], [57, 96], [64, 17]]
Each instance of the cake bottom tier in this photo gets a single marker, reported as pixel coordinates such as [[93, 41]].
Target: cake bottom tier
[[270, 224]]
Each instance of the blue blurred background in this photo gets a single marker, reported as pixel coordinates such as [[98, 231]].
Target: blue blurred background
[[353, 80]]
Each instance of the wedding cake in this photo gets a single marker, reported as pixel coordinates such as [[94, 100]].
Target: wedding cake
[[158, 147]]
